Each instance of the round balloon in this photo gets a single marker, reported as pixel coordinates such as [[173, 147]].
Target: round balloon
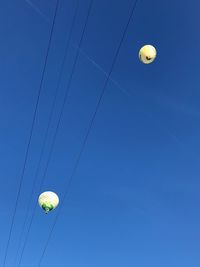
[[147, 54], [48, 201]]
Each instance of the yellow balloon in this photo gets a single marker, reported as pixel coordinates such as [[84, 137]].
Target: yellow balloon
[[147, 54]]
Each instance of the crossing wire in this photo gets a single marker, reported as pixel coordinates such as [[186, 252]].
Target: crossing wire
[[45, 137], [58, 123], [89, 128], [31, 134]]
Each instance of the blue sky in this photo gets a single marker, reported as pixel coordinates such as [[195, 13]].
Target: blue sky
[[134, 200]]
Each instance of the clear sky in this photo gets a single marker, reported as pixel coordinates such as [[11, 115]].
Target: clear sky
[[134, 200]]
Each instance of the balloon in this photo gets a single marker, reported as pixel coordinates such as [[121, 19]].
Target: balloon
[[48, 201], [147, 54]]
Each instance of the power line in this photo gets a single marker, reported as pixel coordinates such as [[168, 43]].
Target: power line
[[45, 138], [31, 133], [89, 128], [60, 117], [67, 92], [48, 128], [102, 70]]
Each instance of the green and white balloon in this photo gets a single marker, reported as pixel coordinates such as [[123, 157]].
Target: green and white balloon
[[48, 201]]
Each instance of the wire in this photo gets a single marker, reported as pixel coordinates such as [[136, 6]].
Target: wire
[[59, 121], [31, 134], [45, 138], [89, 129], [47, 131], [67, 91], [102, 70]]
